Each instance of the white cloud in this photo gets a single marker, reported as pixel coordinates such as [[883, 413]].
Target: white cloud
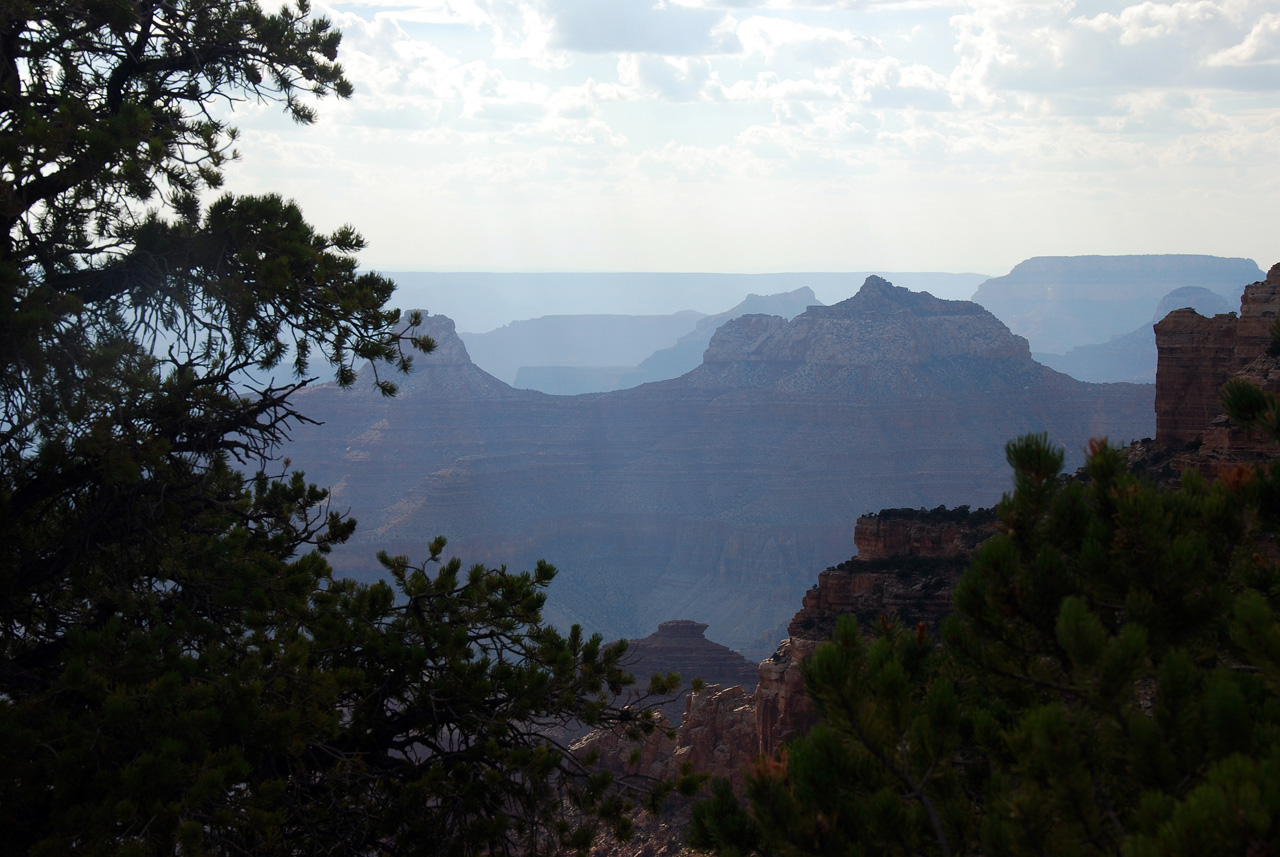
[[820, 46], [1153, 20], [1260, 47], [611, 112]]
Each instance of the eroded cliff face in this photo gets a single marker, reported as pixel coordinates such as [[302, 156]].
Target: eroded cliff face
[[941, 532], [909, 561], [1197, 355]]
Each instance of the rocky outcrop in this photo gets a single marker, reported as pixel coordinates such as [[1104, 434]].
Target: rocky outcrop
[[941, 532], [1197, 355], [782, 708], [712, 496], [907, 564], [678, 646]]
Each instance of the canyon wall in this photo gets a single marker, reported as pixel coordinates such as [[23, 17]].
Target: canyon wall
[[1197, 355], [712, 496]]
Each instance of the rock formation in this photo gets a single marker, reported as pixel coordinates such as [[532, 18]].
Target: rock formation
[[670, 362], [1198, 355], [907, 564], [1059, 302], [679, 646], [712, 496]]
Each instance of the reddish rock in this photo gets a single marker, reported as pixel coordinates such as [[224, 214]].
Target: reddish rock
[[1197, 355], [907, 564], [782, 708], [903, 533]]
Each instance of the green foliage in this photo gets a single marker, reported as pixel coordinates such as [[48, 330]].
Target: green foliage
[[180, 670], [1107, 685]]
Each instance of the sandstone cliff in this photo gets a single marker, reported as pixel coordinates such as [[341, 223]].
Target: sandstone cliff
[[1198, 355], [711, 496]]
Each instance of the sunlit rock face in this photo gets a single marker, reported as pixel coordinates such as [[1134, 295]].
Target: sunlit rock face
[[713, 496]]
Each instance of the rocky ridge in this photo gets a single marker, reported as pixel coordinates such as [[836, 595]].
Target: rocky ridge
[[711, 496], [909, 560]]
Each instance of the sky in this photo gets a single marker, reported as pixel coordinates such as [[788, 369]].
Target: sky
[[745, 136]]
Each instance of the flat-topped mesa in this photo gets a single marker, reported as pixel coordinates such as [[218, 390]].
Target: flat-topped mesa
[[881, 323], [1197, 355], [449, 350], [679, 646], [907, 564], [939, 532]]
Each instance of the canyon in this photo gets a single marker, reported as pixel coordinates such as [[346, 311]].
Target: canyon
[[712, 496], [909, 561]]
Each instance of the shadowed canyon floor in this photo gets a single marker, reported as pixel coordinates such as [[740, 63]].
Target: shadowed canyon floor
[[712, 496]]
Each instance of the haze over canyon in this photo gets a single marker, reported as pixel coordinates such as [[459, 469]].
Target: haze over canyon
[[714, 496]]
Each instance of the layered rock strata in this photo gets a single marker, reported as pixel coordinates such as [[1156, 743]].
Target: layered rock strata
[[909, 561], [1197, 355], [678, 646], [711, 496]]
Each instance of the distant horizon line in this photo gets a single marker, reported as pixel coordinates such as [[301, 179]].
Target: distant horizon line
[[761, 273]]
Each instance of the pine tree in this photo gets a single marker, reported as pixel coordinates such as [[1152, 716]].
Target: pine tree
[[1108, 684], [180, 669]]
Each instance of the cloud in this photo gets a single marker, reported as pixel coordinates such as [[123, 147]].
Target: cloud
[[768, 37], [671, 78], [596, 104], [1153, 20], [1260, 47]]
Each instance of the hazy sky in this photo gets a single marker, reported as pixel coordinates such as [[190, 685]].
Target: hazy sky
[[732, 135]]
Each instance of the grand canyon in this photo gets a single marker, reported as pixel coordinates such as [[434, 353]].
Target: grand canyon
[[712, 496]]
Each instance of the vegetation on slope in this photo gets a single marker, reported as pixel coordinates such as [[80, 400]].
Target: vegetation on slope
[[1108, 684]]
